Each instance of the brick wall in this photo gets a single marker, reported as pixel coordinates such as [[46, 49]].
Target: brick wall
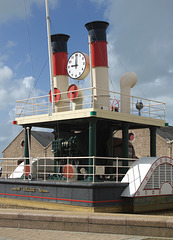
[[141, 143], [16, 150]]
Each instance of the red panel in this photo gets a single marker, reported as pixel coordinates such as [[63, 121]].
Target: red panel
[[99, 54], [60, 63], [73, 92], [27, 170], [68, 168], [57, 95]]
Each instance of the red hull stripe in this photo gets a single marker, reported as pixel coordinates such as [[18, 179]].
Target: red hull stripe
[[99, 54], [59, 63], [60, 199]]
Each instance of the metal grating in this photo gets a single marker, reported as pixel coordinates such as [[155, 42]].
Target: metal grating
[[155, 177], [163, 173]]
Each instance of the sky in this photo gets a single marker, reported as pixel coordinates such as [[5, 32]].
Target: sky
[[139, 38]]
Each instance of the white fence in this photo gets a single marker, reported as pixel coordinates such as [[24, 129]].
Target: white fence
[[66, 168], [87, 98]]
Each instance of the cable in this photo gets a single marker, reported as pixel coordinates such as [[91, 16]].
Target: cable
[[120, 62], [31, 62], [141, 90], [27, 23], [34, 86], [125, 68]]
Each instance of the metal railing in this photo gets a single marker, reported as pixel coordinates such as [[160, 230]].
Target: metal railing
[[88, 98], [67, 169]]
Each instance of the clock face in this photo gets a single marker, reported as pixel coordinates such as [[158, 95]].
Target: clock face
[[76, 65]]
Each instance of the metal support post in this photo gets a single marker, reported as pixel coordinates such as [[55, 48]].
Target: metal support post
[[125, 145], [111, 152], [92, 146], [153, 141], [125, 139], [26, 148]]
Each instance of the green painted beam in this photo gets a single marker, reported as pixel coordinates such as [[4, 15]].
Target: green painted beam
[[111, 152], [125, 140], [153, 141], [92, 145], [125, 146], [26, 148]]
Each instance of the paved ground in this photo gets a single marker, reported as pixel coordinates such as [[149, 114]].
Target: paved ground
[[35, 234], [32, 234]]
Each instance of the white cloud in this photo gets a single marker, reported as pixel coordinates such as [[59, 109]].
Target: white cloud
[[140, 40], [5, 51], [10, 44], [5, 76], [11, 90], [28, 82], [3, 57], [14, 89]]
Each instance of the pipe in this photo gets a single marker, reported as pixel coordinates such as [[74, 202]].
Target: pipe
[[61, 81], [50, 55], [99, 67], [127, 81]]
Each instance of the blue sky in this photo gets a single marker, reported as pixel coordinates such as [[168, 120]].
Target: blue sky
[[139, 39]]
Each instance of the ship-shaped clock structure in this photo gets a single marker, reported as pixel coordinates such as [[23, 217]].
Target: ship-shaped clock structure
[[86, 171]]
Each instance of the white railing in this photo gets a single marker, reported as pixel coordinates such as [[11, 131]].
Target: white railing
[[67, 169], [88, 98]]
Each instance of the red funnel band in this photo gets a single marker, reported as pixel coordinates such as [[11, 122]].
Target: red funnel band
[[59, 63], [57, 95], [99, 54]]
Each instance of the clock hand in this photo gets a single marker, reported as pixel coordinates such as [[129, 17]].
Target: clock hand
[[76, 60]]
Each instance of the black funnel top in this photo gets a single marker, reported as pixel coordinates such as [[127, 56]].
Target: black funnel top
[[59, 42], [96, 24], [97, 30]]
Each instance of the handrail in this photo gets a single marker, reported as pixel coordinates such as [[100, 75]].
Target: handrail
[[52, 168], [41, 105]]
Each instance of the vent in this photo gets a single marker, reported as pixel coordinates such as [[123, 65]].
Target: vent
[[163, 173]]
